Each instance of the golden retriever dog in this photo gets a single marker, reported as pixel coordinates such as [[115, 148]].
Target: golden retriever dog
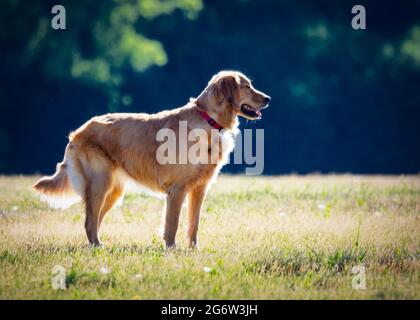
[[108, 149]]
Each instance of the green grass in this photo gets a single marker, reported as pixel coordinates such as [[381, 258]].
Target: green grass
[[285, 237]]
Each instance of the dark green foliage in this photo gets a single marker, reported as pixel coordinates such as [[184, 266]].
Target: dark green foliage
[[344, 100]]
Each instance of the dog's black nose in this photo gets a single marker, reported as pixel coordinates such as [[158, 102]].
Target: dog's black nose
[[267, 99]]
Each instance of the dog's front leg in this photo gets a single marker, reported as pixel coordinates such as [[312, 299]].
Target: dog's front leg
[[175, 199], [195, 200]]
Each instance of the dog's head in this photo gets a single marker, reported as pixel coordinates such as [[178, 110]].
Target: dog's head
[[233, 92]]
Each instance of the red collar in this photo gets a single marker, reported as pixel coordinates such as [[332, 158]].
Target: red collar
[[210, 120]]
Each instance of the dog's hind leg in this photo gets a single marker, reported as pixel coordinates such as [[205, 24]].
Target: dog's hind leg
[[95, 195], [110, 201]]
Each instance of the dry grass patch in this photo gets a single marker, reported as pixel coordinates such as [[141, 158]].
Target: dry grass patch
[[264, 237]]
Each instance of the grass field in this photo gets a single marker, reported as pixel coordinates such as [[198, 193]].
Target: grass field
[[290, 237]]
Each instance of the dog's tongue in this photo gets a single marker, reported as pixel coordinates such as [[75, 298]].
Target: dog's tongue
[[259, 112]]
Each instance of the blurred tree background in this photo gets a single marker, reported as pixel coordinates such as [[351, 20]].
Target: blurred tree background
[[344, 100]]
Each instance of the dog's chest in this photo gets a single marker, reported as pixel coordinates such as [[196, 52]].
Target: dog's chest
[[222, 145]]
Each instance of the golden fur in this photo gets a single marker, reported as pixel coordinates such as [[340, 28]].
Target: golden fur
[[109, 148]]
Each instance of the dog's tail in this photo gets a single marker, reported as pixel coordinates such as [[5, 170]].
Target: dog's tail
[[57, 184], [57, 190]]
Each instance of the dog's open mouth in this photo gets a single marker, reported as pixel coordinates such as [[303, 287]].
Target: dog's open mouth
[[250, 111]]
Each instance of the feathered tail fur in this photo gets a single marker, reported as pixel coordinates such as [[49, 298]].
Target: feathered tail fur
[[57, 190]]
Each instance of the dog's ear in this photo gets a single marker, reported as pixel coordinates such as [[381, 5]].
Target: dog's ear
[[227, 88]]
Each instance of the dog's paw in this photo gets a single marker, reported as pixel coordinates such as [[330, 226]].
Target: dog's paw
[[97, 245], [193, 246], [170, 247]]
